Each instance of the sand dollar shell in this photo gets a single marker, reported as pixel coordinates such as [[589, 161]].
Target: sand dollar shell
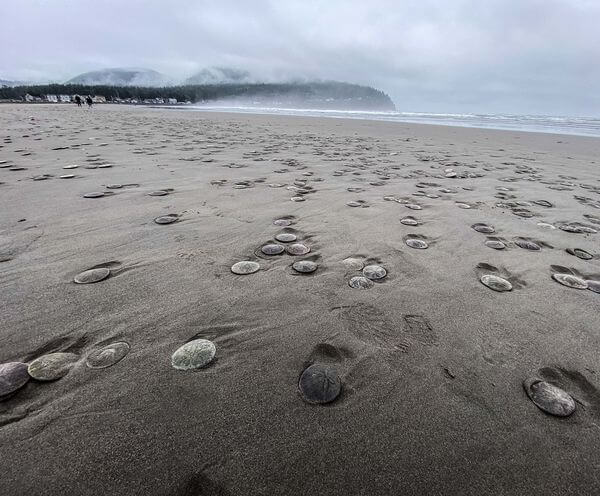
[[360, 282], [108, 355], [194, 355], [496, 283], [570, 281], [579, 253], [483, 228], [282, 222], [159, 192], [13, 376], [304, 266], [419, 244], [67, 176], [409, 221], [166, 219], [272, 249], [495, 244], [297, 198], [286, 237], [527, 245], [245, 267], [549, 398], [593, 286], [319, 384], [297, 249], [353, 263], [92, 275], [52, 366], [374, 272], [94, 194]]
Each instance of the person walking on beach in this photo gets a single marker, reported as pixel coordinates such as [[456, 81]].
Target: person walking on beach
[[78, 100], [89, 101]]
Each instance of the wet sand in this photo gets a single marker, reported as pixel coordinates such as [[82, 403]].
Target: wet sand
[[431, 360]]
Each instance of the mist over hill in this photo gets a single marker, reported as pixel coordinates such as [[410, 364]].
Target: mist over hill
[[120, 76], [220, 75]]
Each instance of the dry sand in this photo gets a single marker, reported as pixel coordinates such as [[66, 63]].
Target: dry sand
[[431, 361]]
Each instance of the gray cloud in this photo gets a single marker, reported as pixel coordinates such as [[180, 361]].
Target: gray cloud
[[521, 56]]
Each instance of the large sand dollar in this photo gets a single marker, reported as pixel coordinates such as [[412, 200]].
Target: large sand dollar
[[527, 245], [94, 194], [13, 376], [374, 272], [194, 355], [108, 355], [282, 222], [52, 366], [319, 384], [297, 249], [496, 283], [166, 219], [495, 244], [286, 237], [570, 281], [360, 282], [92, 275], [272, 249], [304, 266], [579, 253], [483, 228], [160, 192], [419, 244], [549, 398], [409, 221], [245, 267]]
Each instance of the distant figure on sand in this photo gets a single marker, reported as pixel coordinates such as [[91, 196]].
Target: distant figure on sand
[[89, 101], [78, 100]]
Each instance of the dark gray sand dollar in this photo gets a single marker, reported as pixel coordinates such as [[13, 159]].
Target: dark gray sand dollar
[[94, 194], [374, 272], [272, 249], [527, 245], [13, 376], [419, 244], [579, 253], [593, 285], [92, 275], [360, 282], [245, 267], [483, 228], [304, 266], [160, 192], [570, 281], [297, 249], [282, 222], [549, 398], [108, 355], [496, 283], [166, 219], [495, 244], [319, 384], [194, 355], [409, 221], [286, 237], [52, 366]]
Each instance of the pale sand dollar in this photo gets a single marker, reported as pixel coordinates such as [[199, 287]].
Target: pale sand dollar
[[570, 281], [108, 355], [70, 166], [483, 228], [495, 244], [286, 237], [319, 384], [245, 267], [297, 249], [194, 355], [528, 245], [374, 272], [409, 221], [92, 275], [114, 186], [593, 285], [166, 219], [360, 282], [282, 222], [353, 263], [67, 176], [297, 198], [418, 244], [304, 266], [13, 376], [549, 398], [496, 283], [272, 249], [159, 192], [413, 206], [354, 204], [94, 194], [52, 366]]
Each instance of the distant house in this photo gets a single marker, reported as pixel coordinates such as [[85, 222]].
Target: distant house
[[99, 99], [64, 98], [172, 101], [52, 98], [29, 98]]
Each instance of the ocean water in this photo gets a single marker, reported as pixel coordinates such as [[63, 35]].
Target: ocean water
[[581, 126]]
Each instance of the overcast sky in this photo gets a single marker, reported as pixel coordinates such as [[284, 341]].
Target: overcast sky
[[520, 56]]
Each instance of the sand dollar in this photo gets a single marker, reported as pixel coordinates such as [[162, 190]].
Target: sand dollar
[[282, 222], [353, 263], [70, 167], [94, 194], [304, 266], [272, 249], [67, 176], [297, 249], [114, 186], [419, 244], [374, 272], [286, 237], [409, 221], [108, 355], [13, 376], [92, 275], [549, 398], [527, 245], [159, 192], [360, 282], [52, 366], [579, 253], [413, 206], [593, 285], [194, 355], [495, 244], [166, 219], [297, 198], [483, 228], [496, 283], [319, 384], [245, 267], [570, 281]]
